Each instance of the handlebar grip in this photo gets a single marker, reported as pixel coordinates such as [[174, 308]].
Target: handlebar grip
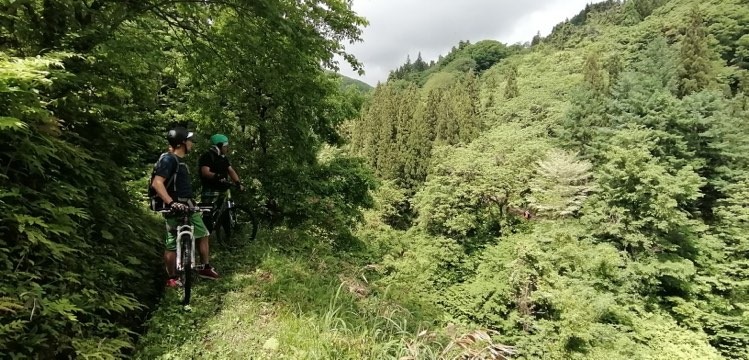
[[194, 209]]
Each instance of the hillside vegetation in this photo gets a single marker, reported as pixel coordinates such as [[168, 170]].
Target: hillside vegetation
[[584, 194]]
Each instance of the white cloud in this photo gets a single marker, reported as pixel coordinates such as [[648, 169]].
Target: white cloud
[[399, 28]]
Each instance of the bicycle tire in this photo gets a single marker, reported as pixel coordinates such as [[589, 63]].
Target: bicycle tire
[[219, 235], [226, 223], [255, 226], [247, 216], [186, 270], [233, 225]]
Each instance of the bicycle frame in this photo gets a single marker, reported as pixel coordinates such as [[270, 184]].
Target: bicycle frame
[[185, 230], [225, 215], [226, 205]]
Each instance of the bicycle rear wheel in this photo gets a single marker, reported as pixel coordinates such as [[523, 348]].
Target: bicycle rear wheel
[[255, 223], [186, 270], [236, 223], [220, 234]]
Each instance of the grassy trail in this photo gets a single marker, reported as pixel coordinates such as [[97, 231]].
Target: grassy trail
[[286, 296]]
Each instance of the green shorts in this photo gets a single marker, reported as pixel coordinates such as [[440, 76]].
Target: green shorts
[[199, 230]]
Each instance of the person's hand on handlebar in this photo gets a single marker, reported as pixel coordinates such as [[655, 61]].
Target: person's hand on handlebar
[[178, 207]]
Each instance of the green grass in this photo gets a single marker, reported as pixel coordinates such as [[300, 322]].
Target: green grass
[[289, 296]]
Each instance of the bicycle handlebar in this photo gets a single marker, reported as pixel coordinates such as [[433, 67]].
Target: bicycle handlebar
[[190, 210]]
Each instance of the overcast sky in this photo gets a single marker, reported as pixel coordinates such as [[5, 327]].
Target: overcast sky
[[398, 28]]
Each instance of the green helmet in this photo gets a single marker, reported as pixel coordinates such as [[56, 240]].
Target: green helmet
[[219, 140]]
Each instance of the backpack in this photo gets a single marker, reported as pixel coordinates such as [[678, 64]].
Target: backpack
[[154, 200]]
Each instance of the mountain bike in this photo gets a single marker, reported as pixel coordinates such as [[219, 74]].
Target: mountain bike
[[228, 217], [186, 249]]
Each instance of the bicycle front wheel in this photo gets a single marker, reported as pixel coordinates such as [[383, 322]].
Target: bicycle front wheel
[[186, 269]]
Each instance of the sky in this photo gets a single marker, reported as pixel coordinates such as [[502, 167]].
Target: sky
[[399, 28]]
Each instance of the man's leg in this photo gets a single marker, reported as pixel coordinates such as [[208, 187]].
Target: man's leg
[[170, 255], [170, 259], [202, 234], [205, 254]]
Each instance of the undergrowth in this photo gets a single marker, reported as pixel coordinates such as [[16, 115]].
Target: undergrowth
[[290, 296]]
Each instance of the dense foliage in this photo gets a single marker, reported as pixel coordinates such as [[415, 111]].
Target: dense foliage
[[584, 196], [87, 90]]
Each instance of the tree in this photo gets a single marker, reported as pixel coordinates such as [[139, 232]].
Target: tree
[[418, 144], [536, 39], [593, 73], [631, 14], [419, 65], [447, 126], [614, 68], [511, 87], [471, 189], [487, 53], [694, 72]]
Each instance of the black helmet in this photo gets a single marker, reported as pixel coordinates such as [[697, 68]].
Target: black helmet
[[178, 135]]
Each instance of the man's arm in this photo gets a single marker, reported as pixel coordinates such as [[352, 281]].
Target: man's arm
[[233, 175], [205, 172], [158, 185]]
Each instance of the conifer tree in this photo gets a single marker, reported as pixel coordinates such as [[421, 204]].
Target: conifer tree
[[536, 39], [511, 89], [418, 144], [385, 133], [407, 99], [470, 124], [419, 64], [447, 122], [694, 73], [631, 15], [614, 68], [593, 73], [431, 112]]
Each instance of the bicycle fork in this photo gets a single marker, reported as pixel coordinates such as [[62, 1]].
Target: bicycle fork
[[185, 230]]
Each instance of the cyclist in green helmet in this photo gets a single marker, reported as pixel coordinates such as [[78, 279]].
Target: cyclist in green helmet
[[216, 174]]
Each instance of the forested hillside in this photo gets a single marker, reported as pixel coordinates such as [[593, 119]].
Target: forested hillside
[[583, 195], [347, 82]]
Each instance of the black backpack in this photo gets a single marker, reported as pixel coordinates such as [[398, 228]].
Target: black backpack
[[154, 200]]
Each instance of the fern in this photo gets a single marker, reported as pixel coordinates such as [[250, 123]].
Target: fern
[[66, 291]]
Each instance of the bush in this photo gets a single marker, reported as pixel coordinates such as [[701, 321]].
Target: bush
[[76, 253]]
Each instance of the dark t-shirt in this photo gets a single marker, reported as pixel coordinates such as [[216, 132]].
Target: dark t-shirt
[[218, 164], [166, 167]]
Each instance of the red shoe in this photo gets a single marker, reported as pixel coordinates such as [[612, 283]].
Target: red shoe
[[208, 272], [173, 283]]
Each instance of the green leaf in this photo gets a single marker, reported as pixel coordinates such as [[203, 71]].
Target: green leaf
[[11, 123]]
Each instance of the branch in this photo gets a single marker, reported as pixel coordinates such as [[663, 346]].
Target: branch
[[173, 21], [503, 205]]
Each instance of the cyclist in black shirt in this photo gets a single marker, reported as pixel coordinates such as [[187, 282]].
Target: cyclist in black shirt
[[216, 173], [171, 166]]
